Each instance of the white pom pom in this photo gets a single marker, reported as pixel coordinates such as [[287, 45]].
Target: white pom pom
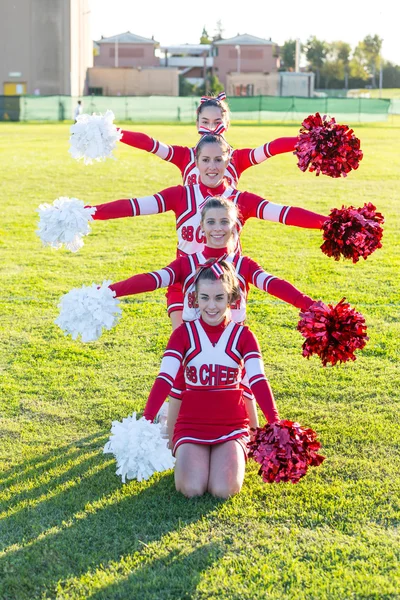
[[94, 137], [65, 221], [85, 311], [139, 448]]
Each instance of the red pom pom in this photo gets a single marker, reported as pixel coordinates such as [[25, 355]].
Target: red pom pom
[[353, 232], [332, 332], [326, 147], [285, 451]]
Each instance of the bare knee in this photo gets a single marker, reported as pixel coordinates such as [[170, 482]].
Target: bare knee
[[190, 489], [225, 490]]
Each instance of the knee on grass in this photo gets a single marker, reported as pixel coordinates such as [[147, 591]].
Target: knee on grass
[[222, 490], [191, 489]]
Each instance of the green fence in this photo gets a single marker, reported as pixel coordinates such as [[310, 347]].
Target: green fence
[[183, 109]]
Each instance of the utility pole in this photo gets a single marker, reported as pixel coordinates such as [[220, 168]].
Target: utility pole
[[297, 56], [116, 52], [237, 48]]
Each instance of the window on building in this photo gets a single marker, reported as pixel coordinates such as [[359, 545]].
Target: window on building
[[95, 91]]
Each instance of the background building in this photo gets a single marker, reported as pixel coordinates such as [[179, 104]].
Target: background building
[[45, 47], [127, 65], [126, 50], [245, 54]]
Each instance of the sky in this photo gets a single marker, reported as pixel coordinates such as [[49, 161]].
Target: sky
[[182, 21]]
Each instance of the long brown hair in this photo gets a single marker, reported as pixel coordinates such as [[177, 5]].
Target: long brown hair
[[228, 278]]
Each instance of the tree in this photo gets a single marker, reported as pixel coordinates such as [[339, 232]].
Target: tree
[[358, 67], [365, 62], [213, 84], [336, 66], [372, 51], [205, 38], [186, 88], [288, 55], [316, 51], [391, 75]]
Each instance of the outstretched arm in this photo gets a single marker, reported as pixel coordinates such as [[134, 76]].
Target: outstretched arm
[[166, 200], [248, 157], [280, 288], [252, 205], [148, 282], [177, 155]]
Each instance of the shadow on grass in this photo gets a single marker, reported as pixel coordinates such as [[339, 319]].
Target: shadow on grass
[[174, 576], [65, 527]]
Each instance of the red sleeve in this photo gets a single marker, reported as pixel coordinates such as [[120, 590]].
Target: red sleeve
[[250, 350], [251, 205], [113, 210], [177, 155], [248, 157], [172, 359], [180, 157], [168, 199], [300, 217], [282, 145], [265, 399], [288, 293], [148, 282], [137, 140], [280, 288]]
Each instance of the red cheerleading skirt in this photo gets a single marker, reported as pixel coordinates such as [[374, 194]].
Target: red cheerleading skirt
[[211, 417]]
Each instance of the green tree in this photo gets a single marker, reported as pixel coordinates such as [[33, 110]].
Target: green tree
[[214, 86], [372, 51], [366, 59], [336, 66], [205, 38], [391, 75], [186, 88], [288, 55], [316, 51], [358, 66]]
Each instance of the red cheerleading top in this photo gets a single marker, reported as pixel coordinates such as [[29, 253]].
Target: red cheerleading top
[[187, 201], [183, 271], [184, 157], [213, 358]]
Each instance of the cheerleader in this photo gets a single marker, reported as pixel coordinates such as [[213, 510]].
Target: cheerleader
[[218, 222], [210, 431], [212, 158], [212, 117]]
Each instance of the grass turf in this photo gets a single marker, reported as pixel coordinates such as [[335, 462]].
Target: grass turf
[[68, 528]]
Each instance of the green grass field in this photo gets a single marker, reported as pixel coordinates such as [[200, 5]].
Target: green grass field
[[69, 529]]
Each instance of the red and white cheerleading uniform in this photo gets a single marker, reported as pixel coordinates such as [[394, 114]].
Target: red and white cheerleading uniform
[[187, 202], [212, 409], [183, 271], [184, 158]]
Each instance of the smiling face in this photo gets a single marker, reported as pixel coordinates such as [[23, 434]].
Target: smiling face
[[213, 301], [218, 227], [211, 117], [212, 162]]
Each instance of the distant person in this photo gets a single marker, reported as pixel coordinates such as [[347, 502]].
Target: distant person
[[78, 110]]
